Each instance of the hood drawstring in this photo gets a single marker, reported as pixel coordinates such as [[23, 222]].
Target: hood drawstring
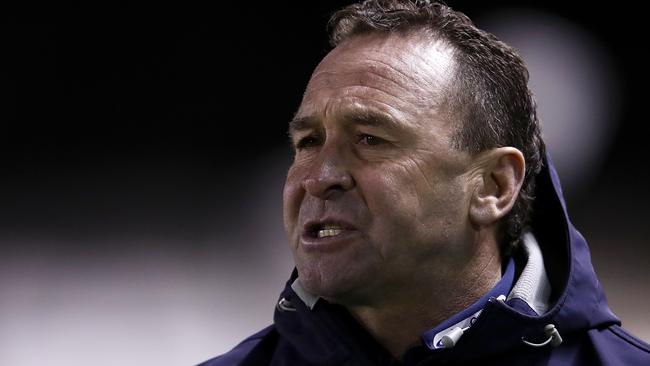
[[553, 335], [449, 340], [285, 305]]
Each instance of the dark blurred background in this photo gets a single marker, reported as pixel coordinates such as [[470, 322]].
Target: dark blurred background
[[143, 152]]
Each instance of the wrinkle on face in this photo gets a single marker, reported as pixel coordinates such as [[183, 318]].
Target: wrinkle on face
[[361, 96], [425, 177], [419, 58]]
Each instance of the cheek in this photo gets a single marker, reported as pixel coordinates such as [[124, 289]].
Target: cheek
[[392, 199], [410, 209], [292, 196], [394, 191]]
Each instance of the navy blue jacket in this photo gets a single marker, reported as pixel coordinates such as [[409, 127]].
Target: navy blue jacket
[[588, 333]]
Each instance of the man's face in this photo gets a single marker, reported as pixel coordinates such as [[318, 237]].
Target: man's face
[[376, 199]]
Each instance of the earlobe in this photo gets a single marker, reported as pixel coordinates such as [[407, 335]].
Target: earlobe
[[502, 174]]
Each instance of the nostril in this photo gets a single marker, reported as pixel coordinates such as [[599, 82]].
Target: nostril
[[337, 187], [332, 192], [329, 187]]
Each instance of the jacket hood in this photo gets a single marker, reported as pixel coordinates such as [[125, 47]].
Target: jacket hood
[[327, 334]]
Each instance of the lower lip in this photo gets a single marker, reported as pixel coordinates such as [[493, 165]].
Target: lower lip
[[328, 242]]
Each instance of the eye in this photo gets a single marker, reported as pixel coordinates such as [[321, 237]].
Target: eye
[[370, 140], [307, 142]]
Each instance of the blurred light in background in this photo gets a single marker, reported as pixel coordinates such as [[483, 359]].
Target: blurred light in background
[[160, 302], [575, 84]]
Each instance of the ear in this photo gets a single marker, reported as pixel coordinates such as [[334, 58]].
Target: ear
[[502, 173]]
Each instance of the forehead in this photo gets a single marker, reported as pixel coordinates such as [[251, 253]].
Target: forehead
[[402, 76]]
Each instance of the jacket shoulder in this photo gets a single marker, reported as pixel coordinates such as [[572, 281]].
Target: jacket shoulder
[[236, 355], [615, 346]]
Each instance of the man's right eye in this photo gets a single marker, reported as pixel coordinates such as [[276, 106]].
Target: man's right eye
[[307, 142]]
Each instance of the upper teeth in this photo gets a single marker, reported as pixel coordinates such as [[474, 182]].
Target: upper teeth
[[329, 230]]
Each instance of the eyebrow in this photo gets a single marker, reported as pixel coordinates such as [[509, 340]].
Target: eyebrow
[[357, 117], [301, 124]]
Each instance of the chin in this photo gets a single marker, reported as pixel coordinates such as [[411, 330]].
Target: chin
[[323, 285], [336, 285]]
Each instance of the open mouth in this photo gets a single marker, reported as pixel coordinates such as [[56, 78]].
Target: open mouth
[[329, 230], [324, 230]]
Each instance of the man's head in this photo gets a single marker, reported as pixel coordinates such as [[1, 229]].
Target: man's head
[[489, 98], [409, 144]]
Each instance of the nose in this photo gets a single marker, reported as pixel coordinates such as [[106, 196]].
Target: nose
[[329, 175]]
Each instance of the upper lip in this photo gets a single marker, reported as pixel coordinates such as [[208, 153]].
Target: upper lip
[[311, 227]]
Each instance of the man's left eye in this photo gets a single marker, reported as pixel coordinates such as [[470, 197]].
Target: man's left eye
[[371, 140]]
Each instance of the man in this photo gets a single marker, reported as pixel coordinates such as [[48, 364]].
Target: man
[[425, 219]]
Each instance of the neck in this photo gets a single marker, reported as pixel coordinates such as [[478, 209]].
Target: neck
[[399, 323]]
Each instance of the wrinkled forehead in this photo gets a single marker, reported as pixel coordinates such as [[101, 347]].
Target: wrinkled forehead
[[425, 59], [399, 72]]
